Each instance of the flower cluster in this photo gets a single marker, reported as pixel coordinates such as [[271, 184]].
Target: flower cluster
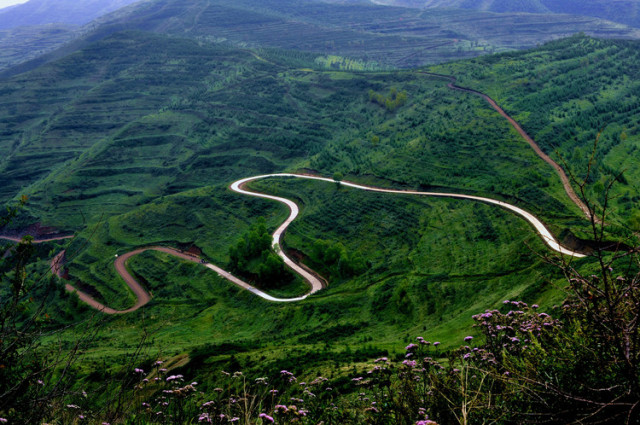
[[514, 330]]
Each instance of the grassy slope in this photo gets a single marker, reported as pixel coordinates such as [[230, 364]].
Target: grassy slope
[[564, 94], [100, 186], [432, 266]]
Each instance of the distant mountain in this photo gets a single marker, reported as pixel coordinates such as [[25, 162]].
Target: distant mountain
[[391, 36], [70, 12], [24, 43], [32, 29], [394, 36], [622, 11]]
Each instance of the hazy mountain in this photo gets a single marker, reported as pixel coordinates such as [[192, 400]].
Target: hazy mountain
[[30, 30], [391, 36], [24, 43], [71, 12], [623, 11]]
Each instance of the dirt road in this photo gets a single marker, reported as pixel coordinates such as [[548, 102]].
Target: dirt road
[[566, 183]]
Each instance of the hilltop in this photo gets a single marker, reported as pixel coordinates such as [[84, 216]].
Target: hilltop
[[43, 12]]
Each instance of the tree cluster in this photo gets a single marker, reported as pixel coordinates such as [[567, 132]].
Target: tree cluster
[[252, 255], [337, 261], [390, 102]]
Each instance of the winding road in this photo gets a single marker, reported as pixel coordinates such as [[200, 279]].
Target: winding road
[[315, 283]]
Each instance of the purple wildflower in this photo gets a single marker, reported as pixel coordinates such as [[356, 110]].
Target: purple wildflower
[[265, 417]]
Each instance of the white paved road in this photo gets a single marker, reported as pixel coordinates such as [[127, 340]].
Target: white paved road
[[315, 283]]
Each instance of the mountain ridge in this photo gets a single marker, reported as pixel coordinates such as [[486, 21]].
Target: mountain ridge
[[623, 11]]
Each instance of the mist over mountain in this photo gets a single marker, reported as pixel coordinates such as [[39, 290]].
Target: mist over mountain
[[41, 12], [391, 36]]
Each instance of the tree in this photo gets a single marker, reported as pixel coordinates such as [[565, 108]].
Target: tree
[[253, 256], [272, 270], [337, 177]]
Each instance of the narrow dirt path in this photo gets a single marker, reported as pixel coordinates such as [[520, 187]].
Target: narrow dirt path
[[566, 183], [143, 297], [316, 284]]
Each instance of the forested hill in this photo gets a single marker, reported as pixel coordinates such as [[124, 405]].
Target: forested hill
[[590, 92], [168, 110], [133, 138]]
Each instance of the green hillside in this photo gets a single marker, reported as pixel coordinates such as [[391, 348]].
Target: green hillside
[[566, 95], [133, 140]]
